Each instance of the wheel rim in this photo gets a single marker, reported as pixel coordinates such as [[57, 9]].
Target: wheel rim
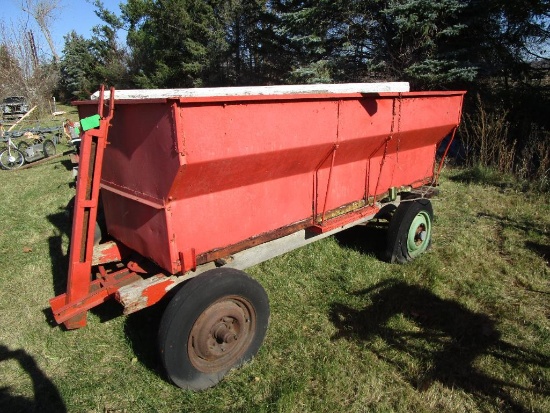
[[222, 334], [11, 159], [49, 148], [419, 234]]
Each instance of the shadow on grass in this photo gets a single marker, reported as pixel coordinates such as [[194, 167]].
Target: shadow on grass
[[141, 329], [60, 268], [366, 239], [540, 249], [59, 258], [446, 341], [46, 395], [370, 238], [67, 163], [527, 227], [485, 176]]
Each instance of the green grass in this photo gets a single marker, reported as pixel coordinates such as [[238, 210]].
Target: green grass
[[464, 328]]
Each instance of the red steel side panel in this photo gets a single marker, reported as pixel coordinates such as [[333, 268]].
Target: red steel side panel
[[141, 156], [252, 171], [139, 167]]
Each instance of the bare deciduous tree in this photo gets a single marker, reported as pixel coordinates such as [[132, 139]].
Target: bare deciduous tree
[[43, 12], [20, 74]]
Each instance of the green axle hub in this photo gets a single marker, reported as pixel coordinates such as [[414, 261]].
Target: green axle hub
[[419, 234]]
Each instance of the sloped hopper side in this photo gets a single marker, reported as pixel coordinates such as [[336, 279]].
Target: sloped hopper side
[[200, 174]]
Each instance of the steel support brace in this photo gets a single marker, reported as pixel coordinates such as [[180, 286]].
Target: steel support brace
[[99, 290], [79, 283], [343, 220]]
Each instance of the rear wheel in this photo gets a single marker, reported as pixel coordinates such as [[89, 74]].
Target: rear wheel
[[48, 147], [22, 146], [215, 322], [410, 231], [11, 158]]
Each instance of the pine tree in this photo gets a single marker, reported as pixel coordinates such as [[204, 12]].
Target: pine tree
[[173, 41], [76, 66], [412, 38], [312, 29], [254, 52]]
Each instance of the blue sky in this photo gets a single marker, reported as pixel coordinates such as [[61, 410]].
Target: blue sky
[[75, 15]]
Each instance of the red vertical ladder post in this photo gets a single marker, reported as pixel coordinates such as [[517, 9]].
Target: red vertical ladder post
[[92, 149]]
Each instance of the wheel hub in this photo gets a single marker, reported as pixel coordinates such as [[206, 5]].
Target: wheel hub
[[221, 334], [224, 332], [419, 234]]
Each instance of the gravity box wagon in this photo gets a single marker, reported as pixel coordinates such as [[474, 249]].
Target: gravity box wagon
[[204, 183]]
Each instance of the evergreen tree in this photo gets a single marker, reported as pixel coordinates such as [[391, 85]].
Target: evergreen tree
[[87, 63], [313, 31], [173, 42], [76, 67], [413, 39], [253, 51], [111, 59], [449, 43]]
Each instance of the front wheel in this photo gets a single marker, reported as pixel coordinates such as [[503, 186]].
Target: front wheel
[[410, 231], [48, 147], [11, 158], [215, 322]]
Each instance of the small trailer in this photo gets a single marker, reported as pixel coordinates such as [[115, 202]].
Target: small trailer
[[198, 184]]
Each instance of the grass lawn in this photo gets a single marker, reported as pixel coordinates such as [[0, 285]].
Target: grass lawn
[[464, 328]]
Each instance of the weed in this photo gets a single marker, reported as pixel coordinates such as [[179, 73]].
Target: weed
[[486, 140], [490, 146]]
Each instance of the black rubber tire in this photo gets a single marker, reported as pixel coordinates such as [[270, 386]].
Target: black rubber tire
[[100, 225], [97, 234], [22, 146], [398, 242], [16, 154], [386, 212], [48, 147], [180, 337]]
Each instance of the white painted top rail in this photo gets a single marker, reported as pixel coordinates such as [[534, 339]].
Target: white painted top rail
[[259, 90]]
